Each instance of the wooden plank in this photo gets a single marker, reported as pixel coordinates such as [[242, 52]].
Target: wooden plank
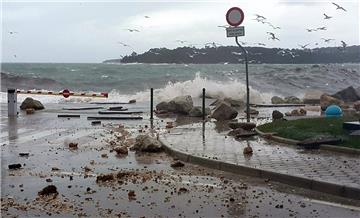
[[113, 118], [117, 109], [82, 108], [120, 112], [277, 105], [68, 115]]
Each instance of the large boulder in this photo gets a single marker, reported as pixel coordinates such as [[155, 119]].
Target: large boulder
[[224, 112], [31, 103], [163, 106], [235, 102], [347, 95], [181, 104], [146, 143], [297, 112], [277, 115], [197, 111], [327, 100], [292, 100], [277, 100], [245, 126]]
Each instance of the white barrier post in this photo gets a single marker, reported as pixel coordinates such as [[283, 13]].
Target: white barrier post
[[12, 103]]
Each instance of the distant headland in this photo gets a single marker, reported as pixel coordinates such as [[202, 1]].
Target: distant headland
[[233, 55]]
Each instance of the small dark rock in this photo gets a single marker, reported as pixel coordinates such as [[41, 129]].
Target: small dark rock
[[14, 166], [177, 164], [48, 190]]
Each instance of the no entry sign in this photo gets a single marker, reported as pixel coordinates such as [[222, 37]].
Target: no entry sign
[[234, 16], [66, 93]]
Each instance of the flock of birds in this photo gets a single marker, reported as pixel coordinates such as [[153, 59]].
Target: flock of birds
[[259, 18]]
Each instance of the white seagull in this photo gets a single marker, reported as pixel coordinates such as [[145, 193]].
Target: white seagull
[[338, 7], [326, 17]]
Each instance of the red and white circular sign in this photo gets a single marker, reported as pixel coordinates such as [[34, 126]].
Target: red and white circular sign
[[234, 16], [66, 93]]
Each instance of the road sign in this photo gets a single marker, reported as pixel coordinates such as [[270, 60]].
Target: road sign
[[235, 31], [66, 93], [234, 16]]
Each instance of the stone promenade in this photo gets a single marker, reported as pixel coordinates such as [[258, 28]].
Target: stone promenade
[[318, 166]]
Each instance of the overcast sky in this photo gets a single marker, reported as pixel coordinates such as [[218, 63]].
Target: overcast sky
[[89, 31]]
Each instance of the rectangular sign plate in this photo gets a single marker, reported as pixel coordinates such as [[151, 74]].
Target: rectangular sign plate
[[235, 31]]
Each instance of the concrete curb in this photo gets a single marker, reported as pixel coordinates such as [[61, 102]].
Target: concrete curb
[[321, 186], [333, 148]]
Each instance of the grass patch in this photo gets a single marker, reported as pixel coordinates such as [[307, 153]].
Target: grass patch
[[306, 128]]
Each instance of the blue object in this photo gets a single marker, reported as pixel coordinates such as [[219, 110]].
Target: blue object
[[333, 111]]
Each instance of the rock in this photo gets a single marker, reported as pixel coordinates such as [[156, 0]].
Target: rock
[[132, 101], [245, 126], [327, 100], [277, 100], [30, 111], [357, 105], [277, 115], [248, 150], [147, 144], [73, 145], [163, 106], [169, 125], [48, 180], [197, 111], [216, 102], [105, 177], [312, 96], [292, 100], [104, 155], [177, 164], [296, 112], [14, 166], [347, 95], [131, 195], [235, 102], [48, 190], [121, 150], [224, 112], [181, 104], [31, 103]]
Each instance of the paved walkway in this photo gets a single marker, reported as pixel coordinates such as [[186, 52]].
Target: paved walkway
[[320, 165]]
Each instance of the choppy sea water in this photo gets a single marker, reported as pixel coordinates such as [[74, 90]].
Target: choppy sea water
[[133, 81]]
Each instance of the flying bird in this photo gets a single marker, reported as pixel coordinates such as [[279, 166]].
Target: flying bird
[[326, 17], [13, 32], [343, 44], [123, 44], [133, 30], [146, 16], [260, 17], [310, 30], [304, 46], [327, 40], [274, 27], [321, 28], [181, 41], [338, 7], [273, 37], [259, 43]]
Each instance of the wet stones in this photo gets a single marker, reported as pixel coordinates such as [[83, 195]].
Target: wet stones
[[73, 145], [48, 190], [24, 154], [197, 111], [277, 100], [349, 94], [224, 112], [327, 100], [357, 105], [277, 115], [177, 164], [121, 150], [297, 112], [146, 143], [105, 178], [131, 195], [31, 103], [241, 133], [14, 166], [30, 110], [292, 100], [248, 150]]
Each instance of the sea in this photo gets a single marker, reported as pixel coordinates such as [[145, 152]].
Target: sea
[[133, 81]]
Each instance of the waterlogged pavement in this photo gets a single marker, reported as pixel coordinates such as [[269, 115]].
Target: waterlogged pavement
[[211, 141], [159, 190]]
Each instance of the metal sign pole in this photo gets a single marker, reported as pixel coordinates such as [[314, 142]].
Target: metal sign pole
[[247, 81]]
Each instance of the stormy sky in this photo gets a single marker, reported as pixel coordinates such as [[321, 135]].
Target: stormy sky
[[90, 31]]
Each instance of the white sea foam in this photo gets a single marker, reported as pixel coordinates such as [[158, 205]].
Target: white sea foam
[[215, 89]]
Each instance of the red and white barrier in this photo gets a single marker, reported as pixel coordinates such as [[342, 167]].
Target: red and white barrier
[[66, 93]]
